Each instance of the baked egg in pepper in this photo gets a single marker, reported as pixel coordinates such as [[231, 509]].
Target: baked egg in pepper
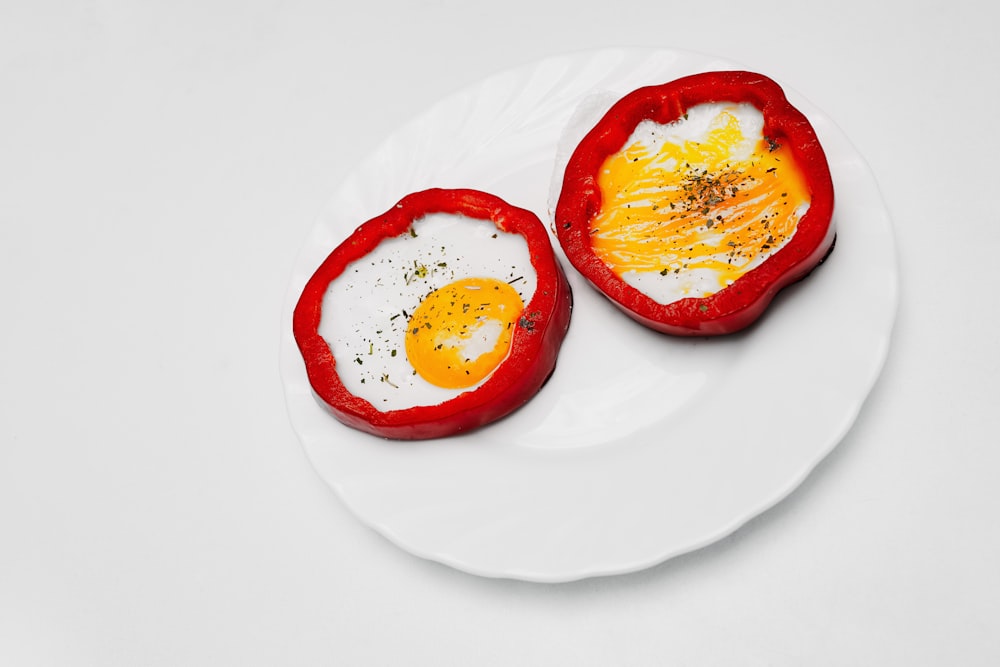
[[441, 315], [692, 203]]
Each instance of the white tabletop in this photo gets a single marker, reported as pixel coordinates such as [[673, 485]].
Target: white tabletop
[[161, 165]]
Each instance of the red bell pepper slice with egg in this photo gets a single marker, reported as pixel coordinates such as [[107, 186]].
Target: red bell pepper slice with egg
[[535, 341], [739, 304]]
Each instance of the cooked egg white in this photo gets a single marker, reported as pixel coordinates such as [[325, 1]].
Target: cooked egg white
[[692, 205], [428, 314]]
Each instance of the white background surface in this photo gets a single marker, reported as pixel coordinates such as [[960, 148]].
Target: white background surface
[[160, 166]]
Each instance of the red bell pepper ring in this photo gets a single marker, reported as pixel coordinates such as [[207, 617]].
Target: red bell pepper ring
[[734, 307], [534, 346]]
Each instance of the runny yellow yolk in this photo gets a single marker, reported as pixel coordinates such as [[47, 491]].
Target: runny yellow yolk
[[461, 332], [694, 205]]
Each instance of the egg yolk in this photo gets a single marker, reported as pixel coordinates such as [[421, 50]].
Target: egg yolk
[[697, 204], [461, 332]]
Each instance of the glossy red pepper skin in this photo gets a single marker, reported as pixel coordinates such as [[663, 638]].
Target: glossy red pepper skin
[[535, 342], [740, 304]]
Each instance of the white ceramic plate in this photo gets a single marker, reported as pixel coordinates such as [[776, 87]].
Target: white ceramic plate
[[640, 447]]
